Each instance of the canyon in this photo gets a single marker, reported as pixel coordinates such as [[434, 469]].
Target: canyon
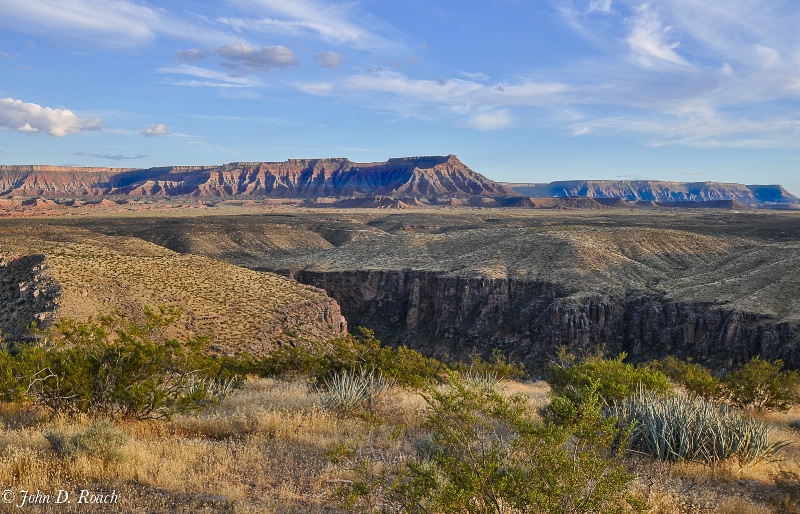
[[298, 252], [712, 285]]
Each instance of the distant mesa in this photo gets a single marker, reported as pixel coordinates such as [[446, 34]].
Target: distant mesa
[[395, 184], [411, 177], [661, 193]]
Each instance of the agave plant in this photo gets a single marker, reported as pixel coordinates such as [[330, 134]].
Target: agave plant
[[673, 428]]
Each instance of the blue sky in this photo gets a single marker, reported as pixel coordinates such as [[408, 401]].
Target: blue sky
[[520, 90]]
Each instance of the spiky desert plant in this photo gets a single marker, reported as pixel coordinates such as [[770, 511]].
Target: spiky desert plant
[[348, 390], [484, 380], [673, 428]]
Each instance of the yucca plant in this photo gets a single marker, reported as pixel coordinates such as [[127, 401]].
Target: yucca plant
[[673, 428], [348, 390]]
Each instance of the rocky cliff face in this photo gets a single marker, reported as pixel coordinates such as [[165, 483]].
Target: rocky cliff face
[[449, 316], [659, 191], [297, 178], [27, 294]]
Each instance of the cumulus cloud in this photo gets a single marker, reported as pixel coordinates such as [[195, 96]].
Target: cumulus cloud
[[328, 59], [159, 129], [30, 117], [239, 56]]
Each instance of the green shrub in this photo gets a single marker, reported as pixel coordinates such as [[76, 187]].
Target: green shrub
[[113, 368], [762, 386], [102, 439], [613, 379], [674, 428], [405, 366], [498, 365], [696, 379], [485, 454]]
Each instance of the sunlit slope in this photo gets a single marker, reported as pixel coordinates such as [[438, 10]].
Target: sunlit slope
[[241, 309]]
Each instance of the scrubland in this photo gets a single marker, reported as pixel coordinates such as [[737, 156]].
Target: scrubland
[[271, 448]]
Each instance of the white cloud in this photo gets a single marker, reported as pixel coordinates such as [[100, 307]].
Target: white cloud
[[329, 21], [114, 22], [104, 23], [491, 120], [239, 56], [474, 104], [649, 39], [328, 59], [210, 78], [603, 6], [29, 117], [159, 129]]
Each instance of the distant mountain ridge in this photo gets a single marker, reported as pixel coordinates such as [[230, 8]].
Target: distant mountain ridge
[[658, 191], [434, 176], [395, 183]]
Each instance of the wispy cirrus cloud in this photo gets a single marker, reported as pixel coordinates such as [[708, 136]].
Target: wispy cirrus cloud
[[204, 77], [650, 40], [474, 104], [117, 157], [106, 24], [686, 72], [31, 118], [329, 21]]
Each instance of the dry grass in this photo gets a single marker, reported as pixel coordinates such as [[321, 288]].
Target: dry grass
[[264, 450], [245, 310]]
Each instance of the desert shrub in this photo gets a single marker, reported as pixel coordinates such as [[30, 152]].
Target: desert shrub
[[405, 366], [485, 454], [497, 365], [674, 428], [763, 386], [101, 439], [346, 391], [696, 379], [613, 379], [114, 368]]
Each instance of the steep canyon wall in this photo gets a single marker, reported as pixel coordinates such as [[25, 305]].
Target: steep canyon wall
[[449, 316]]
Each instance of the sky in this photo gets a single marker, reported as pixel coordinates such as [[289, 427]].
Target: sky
[[520, 90]]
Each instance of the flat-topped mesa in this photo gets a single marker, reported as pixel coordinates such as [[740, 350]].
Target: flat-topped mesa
[[430, 176], [659, 191]]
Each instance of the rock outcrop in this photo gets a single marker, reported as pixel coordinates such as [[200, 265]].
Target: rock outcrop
[[450, 316]]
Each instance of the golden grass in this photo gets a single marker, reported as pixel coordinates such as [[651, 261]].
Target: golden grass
[[264, 450], [245, 310]]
